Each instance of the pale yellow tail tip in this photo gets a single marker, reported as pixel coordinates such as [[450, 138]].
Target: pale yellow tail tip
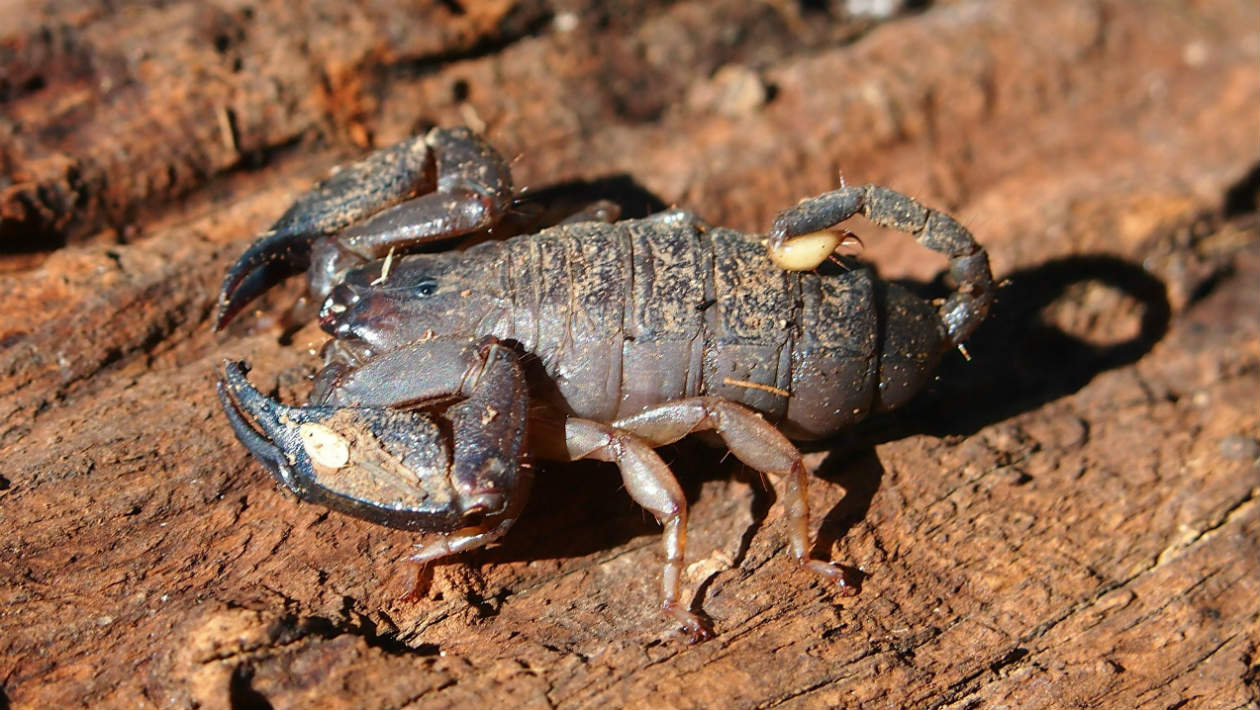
[[806, 252]]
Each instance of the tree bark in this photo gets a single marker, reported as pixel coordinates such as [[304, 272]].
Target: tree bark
[[1068, 519]]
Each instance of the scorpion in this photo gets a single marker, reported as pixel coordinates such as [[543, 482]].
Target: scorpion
[[449, 371]]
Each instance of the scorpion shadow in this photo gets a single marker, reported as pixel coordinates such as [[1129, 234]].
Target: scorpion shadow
[[1019, 362], [538, 208]]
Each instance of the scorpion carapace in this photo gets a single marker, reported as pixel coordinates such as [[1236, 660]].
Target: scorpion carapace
[[589, 339]]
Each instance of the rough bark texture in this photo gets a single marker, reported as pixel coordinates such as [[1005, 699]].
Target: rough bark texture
[[1069, 519]]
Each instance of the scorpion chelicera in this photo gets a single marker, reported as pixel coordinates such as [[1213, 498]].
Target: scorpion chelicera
[[591, 339]]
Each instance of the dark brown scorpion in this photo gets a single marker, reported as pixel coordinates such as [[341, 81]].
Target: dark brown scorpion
[[587, 340]]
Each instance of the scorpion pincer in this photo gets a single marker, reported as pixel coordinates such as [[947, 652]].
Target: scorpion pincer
[[587, 340]]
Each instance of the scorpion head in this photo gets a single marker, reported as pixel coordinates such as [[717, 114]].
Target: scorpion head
[[416, 297], [388, 466]]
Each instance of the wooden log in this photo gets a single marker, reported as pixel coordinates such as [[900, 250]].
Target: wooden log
[[1070, 519]]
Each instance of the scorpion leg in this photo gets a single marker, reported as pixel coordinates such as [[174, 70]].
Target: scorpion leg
[[444, 184], [470, 538], [604, 211], [755, 442], [965, 308], [652, 485]]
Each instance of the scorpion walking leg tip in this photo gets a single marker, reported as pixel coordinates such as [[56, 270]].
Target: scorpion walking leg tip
[[698, 635], [834, 573], [695, 627]]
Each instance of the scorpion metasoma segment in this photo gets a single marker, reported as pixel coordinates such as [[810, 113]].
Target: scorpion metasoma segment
[[587, 340]]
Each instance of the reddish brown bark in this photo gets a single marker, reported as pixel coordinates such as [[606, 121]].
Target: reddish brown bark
[[1070, 519]]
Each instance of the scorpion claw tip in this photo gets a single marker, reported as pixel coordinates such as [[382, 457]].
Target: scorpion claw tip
[[273, 257], [331, 455], [238, 399]]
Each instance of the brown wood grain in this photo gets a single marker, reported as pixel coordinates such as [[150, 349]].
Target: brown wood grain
[[1070, 519]]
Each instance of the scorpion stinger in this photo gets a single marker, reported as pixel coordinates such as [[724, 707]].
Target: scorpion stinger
[[965, 308]]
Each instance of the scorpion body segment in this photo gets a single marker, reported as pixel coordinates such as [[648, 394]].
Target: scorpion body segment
[[586, 340]]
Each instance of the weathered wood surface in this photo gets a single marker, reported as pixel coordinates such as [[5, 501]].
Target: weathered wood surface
[[1071, 519]]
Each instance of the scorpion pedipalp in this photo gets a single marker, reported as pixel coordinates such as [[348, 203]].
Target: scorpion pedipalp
[[444, 184], [395, 467], [387, 466], [349, 195]]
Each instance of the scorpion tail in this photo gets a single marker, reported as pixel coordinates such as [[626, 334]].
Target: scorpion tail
[[963, 310]]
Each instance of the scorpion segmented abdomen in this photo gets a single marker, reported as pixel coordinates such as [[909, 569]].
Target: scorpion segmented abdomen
[[641, 312], [835, 368], [663, 340], [750, 325], [569, 285]]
